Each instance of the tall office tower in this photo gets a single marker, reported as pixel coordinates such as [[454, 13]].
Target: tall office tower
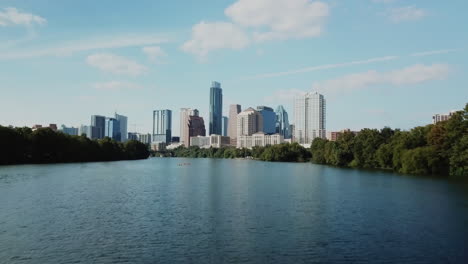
[[185, 114], [112, 128], [282, 122], [309, 117], [216, 108], [249, 122], [234, 110], [100, 123], [196, 127], [292, 132], [123, 126], [269, 119], [162, 126], [225, 122]]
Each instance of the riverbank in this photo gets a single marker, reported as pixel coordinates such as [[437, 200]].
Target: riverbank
[[43, 146], [436, 149]]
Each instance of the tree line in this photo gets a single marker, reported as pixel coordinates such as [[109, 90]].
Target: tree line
[[44, 145], [435, 149]]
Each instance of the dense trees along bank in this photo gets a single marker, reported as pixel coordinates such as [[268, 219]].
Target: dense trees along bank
[[436, 149], [22, 146]]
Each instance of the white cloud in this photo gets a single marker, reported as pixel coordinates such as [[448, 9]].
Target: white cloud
[[433, 52], [410, 75], [11, 16], [280, 19], [407, 13], [116, 86], [72, 47], [324, 67], [115, 64], [208, 37], [154, 53]]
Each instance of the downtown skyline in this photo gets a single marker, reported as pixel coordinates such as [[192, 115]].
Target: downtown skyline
[[395, 64]]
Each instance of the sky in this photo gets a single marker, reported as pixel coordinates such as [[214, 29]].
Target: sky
[[377, 62]]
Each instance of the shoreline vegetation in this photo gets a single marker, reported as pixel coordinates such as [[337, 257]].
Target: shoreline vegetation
[[437, 149], [44, 145]]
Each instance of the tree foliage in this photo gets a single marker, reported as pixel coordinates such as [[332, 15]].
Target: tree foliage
[[22, 145], [436, 149]]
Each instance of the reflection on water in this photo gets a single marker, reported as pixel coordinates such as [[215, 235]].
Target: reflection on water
[[227, 211]]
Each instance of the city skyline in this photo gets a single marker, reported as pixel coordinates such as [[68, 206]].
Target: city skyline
[[370, 58]]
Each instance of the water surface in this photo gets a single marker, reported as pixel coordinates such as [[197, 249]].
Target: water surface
[[227, 211]]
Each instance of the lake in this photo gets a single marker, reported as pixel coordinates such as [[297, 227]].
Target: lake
[[171, 210]]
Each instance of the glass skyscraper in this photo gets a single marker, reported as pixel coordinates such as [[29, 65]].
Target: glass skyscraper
[[162, 126], [99, 122], [123, 126], [282, 122], [112, 128], [269, 119], [225, 126], [216, 109]]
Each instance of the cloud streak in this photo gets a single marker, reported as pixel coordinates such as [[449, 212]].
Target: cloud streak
[[324, 67], [415, 74], [70, 48]]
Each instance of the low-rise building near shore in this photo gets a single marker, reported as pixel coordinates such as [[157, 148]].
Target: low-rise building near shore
[[259, 139]]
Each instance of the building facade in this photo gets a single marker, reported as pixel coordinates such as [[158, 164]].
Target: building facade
[[213, 141], [441, 117], [225, 123], [259, 139], [196, 127], [234, 110], [73, 131], [269, 119], [99, 122], [123, 120], [185, 114], [216, 109], [162, 126], [309, 118], [282, 126], [249, 122], [112, 129]]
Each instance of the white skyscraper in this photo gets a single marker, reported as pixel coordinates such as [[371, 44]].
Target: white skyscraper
[[309, 117]]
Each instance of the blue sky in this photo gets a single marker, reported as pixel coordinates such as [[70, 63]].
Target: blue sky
[[378, 62]]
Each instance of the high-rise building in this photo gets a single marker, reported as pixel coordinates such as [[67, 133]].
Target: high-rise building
[[225, 126], [216, 108], [196, 127], [185, 114], [123, 126], [234, 110], [90, 132], [269, 119], [249, 122], [73, 131], [282, 122], [309, 118], [162, 126], [99, 122], [112, 128]]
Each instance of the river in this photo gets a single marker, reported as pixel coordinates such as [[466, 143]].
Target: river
[[171, 210]]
